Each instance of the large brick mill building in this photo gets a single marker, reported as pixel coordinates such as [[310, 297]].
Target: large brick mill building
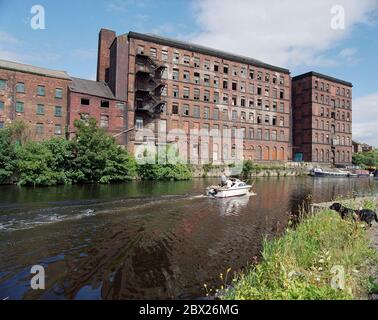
[[151, 82], [170, 84], [322, 119]]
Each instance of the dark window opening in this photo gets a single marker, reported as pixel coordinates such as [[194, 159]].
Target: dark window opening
[[84, 102], [104, 104]]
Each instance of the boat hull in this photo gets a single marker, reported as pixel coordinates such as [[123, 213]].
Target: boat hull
[[228, 193]]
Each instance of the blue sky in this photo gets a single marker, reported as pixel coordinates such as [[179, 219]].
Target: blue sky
[[294, 35]]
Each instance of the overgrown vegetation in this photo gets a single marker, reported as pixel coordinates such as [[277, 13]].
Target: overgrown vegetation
[[250, 168], [366, 159], [303, 263], [91, 156]]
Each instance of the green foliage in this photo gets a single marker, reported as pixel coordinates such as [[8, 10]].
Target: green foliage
[[8, 162], [39, 165], [164, 172], [298, 265], [97, 157], [168, 171], [249, 168], [366, 159]]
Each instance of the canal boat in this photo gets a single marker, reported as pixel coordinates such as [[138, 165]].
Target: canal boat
[[235, 188], [318, 172]]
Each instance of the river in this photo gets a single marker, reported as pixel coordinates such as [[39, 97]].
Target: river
[[144, 240]]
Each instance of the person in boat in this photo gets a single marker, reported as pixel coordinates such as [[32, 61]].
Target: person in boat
[[223, 180]]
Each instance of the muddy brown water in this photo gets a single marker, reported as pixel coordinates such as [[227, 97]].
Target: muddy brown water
[[144, 240]]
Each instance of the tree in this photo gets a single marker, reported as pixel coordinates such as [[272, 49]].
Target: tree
[[8, 162], [97, 157]]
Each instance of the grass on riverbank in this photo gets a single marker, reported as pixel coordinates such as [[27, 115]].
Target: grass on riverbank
[[302, 263]]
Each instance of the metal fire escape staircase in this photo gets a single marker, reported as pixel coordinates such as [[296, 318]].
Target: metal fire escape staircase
[[149, 85]]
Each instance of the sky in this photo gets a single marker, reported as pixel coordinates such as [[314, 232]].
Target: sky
[[338, 38]]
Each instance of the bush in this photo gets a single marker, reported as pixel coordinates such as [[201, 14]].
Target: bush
[[8, 162], [299, 265], [97, 157], [366, 159]]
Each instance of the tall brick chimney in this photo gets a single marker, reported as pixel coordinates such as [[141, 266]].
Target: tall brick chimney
[[105, 39]]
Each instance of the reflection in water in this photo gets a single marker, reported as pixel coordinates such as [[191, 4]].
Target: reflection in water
[[144, 240]]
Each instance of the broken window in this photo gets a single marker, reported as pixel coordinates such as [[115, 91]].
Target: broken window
[[175, 91], [267, 91], [197, 94], [216, 66], [243, 116], [197, 78], [104, 104], [251, 74], [259, 90], [207, 65], [186, 59], [267, 77], [274, 79], [242, 101], [186, 76], [216, 82], [140, 50], [185, 110], [259, 76], [234, 101], [259, 103], [175, 74], [84, 102], [235, 71], [225, 84], [186, 93], [243, 72], [153, 53], [282, 94], [282, 122], [216, 97], [164, 55], [58, 129], [206, 96], [197, 62], [274, 121], [251, 103], [267, 106], [242, 87], [282, 80], [234, 85], [225, 69], [225, 98], [206, 80], [176, 57]]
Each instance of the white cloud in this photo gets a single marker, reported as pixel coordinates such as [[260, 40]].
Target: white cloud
[[286, 33], [365, 119]]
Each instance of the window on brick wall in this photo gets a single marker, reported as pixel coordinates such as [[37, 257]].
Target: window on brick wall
[[175, 91], [58, 93], [175, 74], [186, 76], [216, 97], [40, 109], [20, 87], [206, 113], [185, 110], [104, 121], [175, 109], [1, 105], [225, 69], [41, 90], [39, 128], [58, 129], [84, 117], [19, 106], [216, 114], [164, 55], [186, 60], [197, 78], [84, 102], [58, 111], [176, 57], [104, 104], [196, 112], [206, 80], [186, 93], [207, 65], [197, 62], [3, 84], [216, 66], [216, 82], [206, 96], [197, 94]]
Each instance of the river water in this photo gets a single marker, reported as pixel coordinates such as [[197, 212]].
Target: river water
[[144, 240]]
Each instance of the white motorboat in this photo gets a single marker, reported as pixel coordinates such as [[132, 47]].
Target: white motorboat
[[235, 188]]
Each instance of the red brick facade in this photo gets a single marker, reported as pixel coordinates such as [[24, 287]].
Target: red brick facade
[[90, 99], [322, 119], [208, 91], [39, 100]]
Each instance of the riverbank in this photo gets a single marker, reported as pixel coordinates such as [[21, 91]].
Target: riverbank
[[323, 258]]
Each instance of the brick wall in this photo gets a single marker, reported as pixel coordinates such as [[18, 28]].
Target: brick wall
[[49, 120]]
